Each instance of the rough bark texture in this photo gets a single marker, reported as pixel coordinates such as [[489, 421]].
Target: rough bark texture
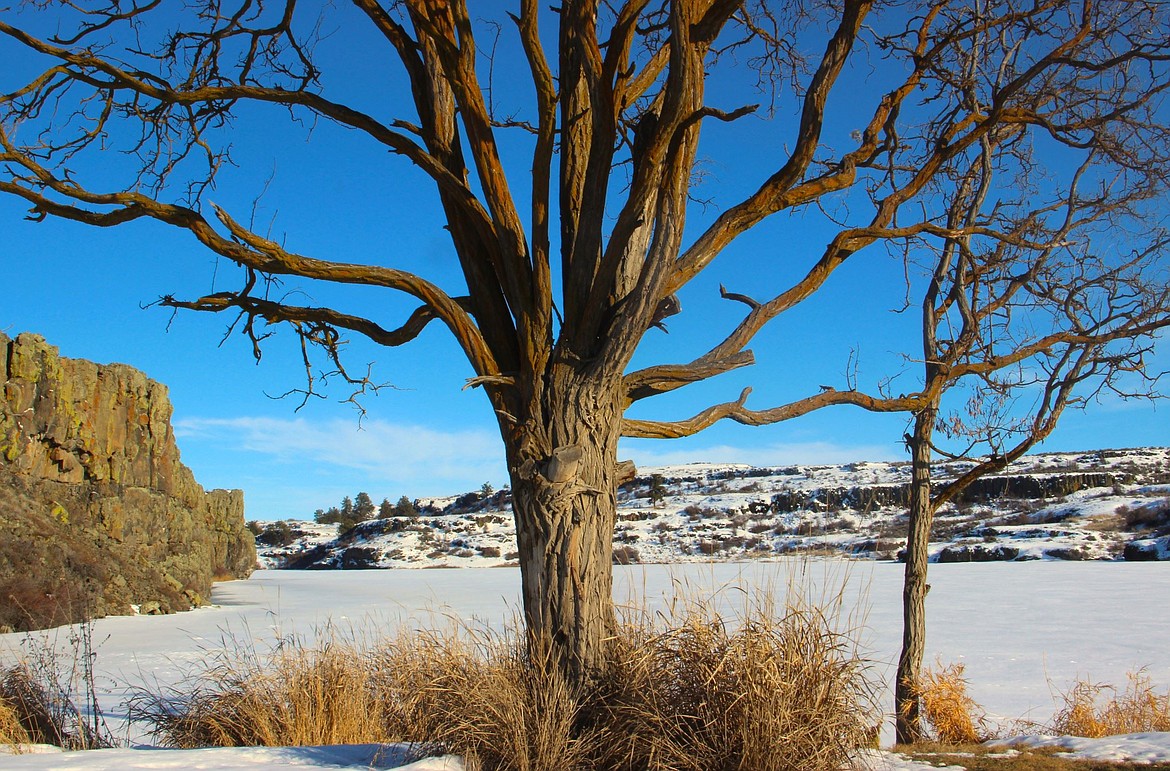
[[908, 724], [96, 510], [563, 484]]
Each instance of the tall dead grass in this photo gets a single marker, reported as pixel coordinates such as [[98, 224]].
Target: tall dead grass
[[482, 696], [1094, 710], [953, 716], [295, 696], [50, 696], [769, 691], [12, 731], [773, 690]]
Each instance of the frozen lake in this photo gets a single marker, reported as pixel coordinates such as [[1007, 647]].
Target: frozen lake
[[1023, 630]]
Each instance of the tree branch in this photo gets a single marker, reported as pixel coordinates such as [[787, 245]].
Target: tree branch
[[736, 411]]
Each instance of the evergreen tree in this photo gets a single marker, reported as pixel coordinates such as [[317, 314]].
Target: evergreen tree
[[657, 490], [405, 508], [363, 507], [385, 509]]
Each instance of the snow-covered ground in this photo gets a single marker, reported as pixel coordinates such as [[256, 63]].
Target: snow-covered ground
[[1023, 630], [1102, 505]]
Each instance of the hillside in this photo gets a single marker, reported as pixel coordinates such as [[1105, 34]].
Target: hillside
[[1101, 505]]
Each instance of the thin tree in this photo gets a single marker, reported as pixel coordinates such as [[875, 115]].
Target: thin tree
[[561, 282], [1049, 313]]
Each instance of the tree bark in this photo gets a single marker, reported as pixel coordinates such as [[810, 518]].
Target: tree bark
[[907, 720], [563, 471]]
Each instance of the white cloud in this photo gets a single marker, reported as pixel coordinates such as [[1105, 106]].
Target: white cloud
[[378, 450]]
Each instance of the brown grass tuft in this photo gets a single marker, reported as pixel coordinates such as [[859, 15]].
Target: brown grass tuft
[[953, 716], [1094, 710], [477, 694], [12, 732], [769, 692], [296, 697], [691, 691], [38, 696]]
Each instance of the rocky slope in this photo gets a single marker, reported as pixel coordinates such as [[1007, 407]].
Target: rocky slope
[[1108, 504], [98, 515]]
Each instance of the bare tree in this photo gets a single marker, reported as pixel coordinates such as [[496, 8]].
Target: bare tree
[[611, 139], [1048, 313]]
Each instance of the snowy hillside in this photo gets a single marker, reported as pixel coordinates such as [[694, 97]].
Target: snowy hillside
[[1102, 505]]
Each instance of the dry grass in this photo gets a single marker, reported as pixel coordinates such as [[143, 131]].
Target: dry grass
[[12, 731], [38, 696], [478, 695], [769, 692], [1094, 710], [772, 691], [295, 697], [953, 716]]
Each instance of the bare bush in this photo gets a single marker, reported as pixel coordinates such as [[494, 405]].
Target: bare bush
[[1096, 709], [38, 696], [952, 715]]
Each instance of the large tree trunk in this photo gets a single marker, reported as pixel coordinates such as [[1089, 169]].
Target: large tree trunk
[[907, 721], [563, 470]]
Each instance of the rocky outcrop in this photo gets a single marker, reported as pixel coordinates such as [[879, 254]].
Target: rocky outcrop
[[982, 490], [97, 513]]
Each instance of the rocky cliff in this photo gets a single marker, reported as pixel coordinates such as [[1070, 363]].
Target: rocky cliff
[[97, 513]]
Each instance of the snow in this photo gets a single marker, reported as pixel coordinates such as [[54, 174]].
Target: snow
[[229, 759], [1023, 630], [1126, 748]]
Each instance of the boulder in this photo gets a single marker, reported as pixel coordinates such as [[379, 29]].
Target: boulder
[[978, 553]]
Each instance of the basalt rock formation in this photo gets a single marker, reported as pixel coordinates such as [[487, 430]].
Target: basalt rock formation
[[98, 516]]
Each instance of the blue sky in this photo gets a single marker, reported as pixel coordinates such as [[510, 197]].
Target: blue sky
[[334, 195]]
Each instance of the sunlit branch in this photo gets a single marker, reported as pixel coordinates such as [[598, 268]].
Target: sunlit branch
[[737, 411]]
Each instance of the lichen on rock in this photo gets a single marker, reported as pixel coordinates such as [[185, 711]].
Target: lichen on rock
[[97, 512]]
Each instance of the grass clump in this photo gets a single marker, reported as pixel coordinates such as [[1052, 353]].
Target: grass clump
[[12, 731], [953, 716], [294, 697], [1094, 710], [485, 697], [37, 696], [770, 691]]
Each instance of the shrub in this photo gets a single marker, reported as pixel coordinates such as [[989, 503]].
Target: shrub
[[1094, 710], [37, 695], [278, 533], [1154, 516], [625, 555], [953, 716]]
